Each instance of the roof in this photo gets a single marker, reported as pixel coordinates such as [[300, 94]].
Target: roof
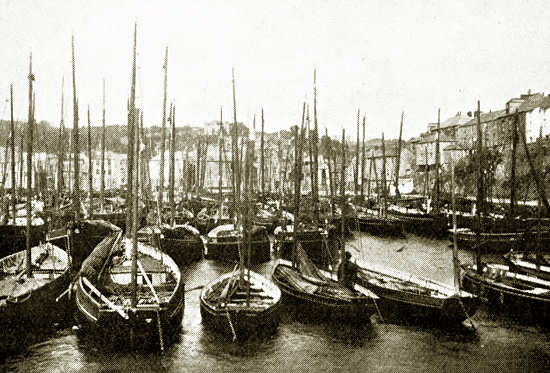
[[487, 117], [457, 120]]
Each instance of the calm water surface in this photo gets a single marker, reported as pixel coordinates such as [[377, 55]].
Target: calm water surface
[[497, 343]]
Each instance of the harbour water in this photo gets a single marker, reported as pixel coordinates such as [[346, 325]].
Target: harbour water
[[498, 343]]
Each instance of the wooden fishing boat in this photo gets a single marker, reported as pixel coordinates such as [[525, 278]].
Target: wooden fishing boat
[[225, 307], [208, 219], [369, 221], [525, 297], [415, 297], [313, 240], [242, 302], [103, 290], [223, 242], [528, 263], [31, 301], [498, 242], [80, 238], [419, 222], [265, 218], [182, 243], [321, 296]]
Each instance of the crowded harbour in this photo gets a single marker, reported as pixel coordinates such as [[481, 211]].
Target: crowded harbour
[[273, 236]]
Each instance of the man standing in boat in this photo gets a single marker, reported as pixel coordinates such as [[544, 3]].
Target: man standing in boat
[[347, 273]]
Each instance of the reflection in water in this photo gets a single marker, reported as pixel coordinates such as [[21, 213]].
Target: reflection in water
[[498, 343]]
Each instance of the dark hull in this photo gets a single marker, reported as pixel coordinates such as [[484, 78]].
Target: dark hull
[[38, 309], [13, 237], [245, 323], [497, 243], [325, 308], [183, 247], [313, 244], [85, 236], [422, 307], [228, 250], [380, 226], [516, 301], [426, 225], [116, 218]]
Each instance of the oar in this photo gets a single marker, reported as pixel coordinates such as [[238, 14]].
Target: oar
[[104, 299]]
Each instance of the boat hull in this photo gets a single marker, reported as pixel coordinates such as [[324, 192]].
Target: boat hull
[[320, 308], [520, 303]]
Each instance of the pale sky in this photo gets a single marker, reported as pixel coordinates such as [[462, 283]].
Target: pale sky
[[379, 56]]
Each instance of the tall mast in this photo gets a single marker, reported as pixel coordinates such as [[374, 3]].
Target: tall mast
[[437, 165], [384, 191], [197, 171], [398, 159], [513, 167], [330, 181], [21, 143], [171, 175], [262, 156], [363, 160], [76, 147], [103, 130], [61, 146], [235, 156], [456, 268], [133, 192], [343, 192], [370, 175], [220, 164], [30, 125], [356, 168], [163, 130], [248, 190], [12, 144], [479, 201], [315, 140], [297, 186], [90, 166]]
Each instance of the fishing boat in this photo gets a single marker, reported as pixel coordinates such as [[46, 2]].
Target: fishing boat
[[498, 243], [415, 297], [104, 290], [31, 280], [314, 291], [241, 306], [241, 302], [182, 243], [28, 294], [523, 296], [314, 242], [530, 263], [222, 243]]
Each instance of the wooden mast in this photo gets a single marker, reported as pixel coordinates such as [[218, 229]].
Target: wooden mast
[[330, 179], [356, 168], [21, 144], [363, 160], [61, 148], [437, 166], [262, 156], [513, 168], [90, 166], [220, 164], [172, 160], [297, 186], [343, 194], [12, 144], [103, 130], [197, 171], [163, 130], [315, 140], [398, 159], [30, 124], [479, 199], [383, 176], [248, 190], [76, 147], [234, 153], [456, 268], [133, 193]]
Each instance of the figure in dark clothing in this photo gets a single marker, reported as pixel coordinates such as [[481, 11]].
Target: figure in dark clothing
[[348, 272]]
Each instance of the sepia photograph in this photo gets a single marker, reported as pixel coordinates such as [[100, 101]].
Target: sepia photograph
[[274, 186]]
